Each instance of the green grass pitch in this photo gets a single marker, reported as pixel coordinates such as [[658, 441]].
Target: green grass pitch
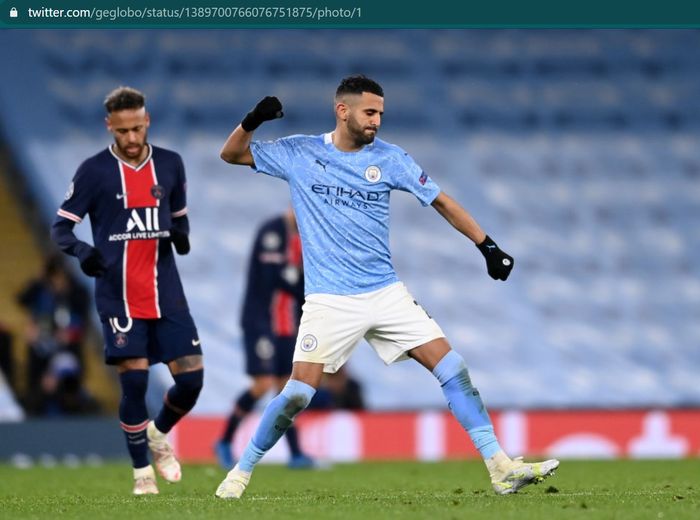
[[405, 490]]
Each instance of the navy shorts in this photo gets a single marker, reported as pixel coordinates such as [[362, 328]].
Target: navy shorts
[[160, 340], [269, 356]]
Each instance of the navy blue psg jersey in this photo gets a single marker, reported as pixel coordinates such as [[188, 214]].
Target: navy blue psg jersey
[[130, 211], [275, 290]]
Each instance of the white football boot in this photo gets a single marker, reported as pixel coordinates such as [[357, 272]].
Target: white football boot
[[145, 481], [234, 484], [508, 476], [167, 465]]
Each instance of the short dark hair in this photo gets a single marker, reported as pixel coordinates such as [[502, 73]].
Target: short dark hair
[[357, 85], [124, 98]]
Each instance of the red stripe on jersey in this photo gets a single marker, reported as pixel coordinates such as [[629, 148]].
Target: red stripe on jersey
[[140, 278], [283, 323], [294, 249], [141, 256], [284, 319], [138, 184]]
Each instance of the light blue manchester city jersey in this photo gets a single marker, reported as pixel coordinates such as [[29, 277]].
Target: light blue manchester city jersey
[[341, 200]]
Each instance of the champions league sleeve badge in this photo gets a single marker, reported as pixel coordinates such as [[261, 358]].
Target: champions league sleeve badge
[[69, 192]]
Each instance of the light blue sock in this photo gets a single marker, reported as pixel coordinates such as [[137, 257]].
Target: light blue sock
[[465, 403], [277, 417]]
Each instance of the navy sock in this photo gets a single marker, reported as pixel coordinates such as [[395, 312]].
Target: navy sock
[[292, 437], [180, 399], [133, 414], [244, 405]]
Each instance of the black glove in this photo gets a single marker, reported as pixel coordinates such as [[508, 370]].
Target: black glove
[[269, 108], [180, 240], [93, 264], [498, 263]]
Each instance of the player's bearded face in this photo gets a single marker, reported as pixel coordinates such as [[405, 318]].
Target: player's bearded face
[[130, 131], [364, 118], [361, 132]]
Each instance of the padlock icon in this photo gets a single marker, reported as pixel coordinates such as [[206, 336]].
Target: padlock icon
[[13, 12]]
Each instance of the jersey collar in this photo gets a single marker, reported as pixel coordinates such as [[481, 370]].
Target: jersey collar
[[328, 140], [141, 165]]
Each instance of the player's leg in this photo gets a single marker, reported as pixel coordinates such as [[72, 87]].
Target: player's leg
[[404, 329], [284, 357], [298, 459], [244, 404], [260, 354], [133, 417], [278, 416], [329, 330], [174, 341], [507, 476], [126, 348]]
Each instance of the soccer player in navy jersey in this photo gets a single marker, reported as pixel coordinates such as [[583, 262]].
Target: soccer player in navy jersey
[[271, 310], [135, 195], [340, 184]]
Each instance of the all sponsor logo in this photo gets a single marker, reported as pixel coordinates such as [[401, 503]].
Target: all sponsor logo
[[143, 223]]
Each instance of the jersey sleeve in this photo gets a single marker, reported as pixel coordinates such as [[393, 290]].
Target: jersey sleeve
[[274, 157], [78, 199], [414, 180], [178, 196]]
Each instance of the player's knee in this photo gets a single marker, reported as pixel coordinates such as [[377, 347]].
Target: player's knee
[[299, 396], [450, 366], [186, 390]]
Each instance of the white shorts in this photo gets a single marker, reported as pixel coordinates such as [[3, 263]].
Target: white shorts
[[389, 319]]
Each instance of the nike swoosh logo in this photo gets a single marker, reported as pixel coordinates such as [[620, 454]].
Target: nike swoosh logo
[[196, 342], [121, 196]]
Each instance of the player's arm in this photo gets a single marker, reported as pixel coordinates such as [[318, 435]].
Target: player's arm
[[77, 202], [91, 261], [499, 263], [179, 223], [236, 149]]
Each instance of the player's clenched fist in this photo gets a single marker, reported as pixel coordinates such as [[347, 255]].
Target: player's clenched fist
[[267, 109], [93, 264], [498, 263]]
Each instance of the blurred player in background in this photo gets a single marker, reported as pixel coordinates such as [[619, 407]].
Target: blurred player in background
[[134, 193], [270, 320], [340, 184]]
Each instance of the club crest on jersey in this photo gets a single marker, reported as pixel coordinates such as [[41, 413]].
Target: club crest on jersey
[[271, 240], [157, 191], [308, 343], [69, 192], [373, 173]]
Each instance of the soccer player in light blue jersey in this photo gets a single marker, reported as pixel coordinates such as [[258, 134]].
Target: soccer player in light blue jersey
[[340, 184]]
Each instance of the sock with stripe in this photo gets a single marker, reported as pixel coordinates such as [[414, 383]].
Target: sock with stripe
[[133, 414]]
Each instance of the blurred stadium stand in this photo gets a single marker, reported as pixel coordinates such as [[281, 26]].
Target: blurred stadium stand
[[577, 150]]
